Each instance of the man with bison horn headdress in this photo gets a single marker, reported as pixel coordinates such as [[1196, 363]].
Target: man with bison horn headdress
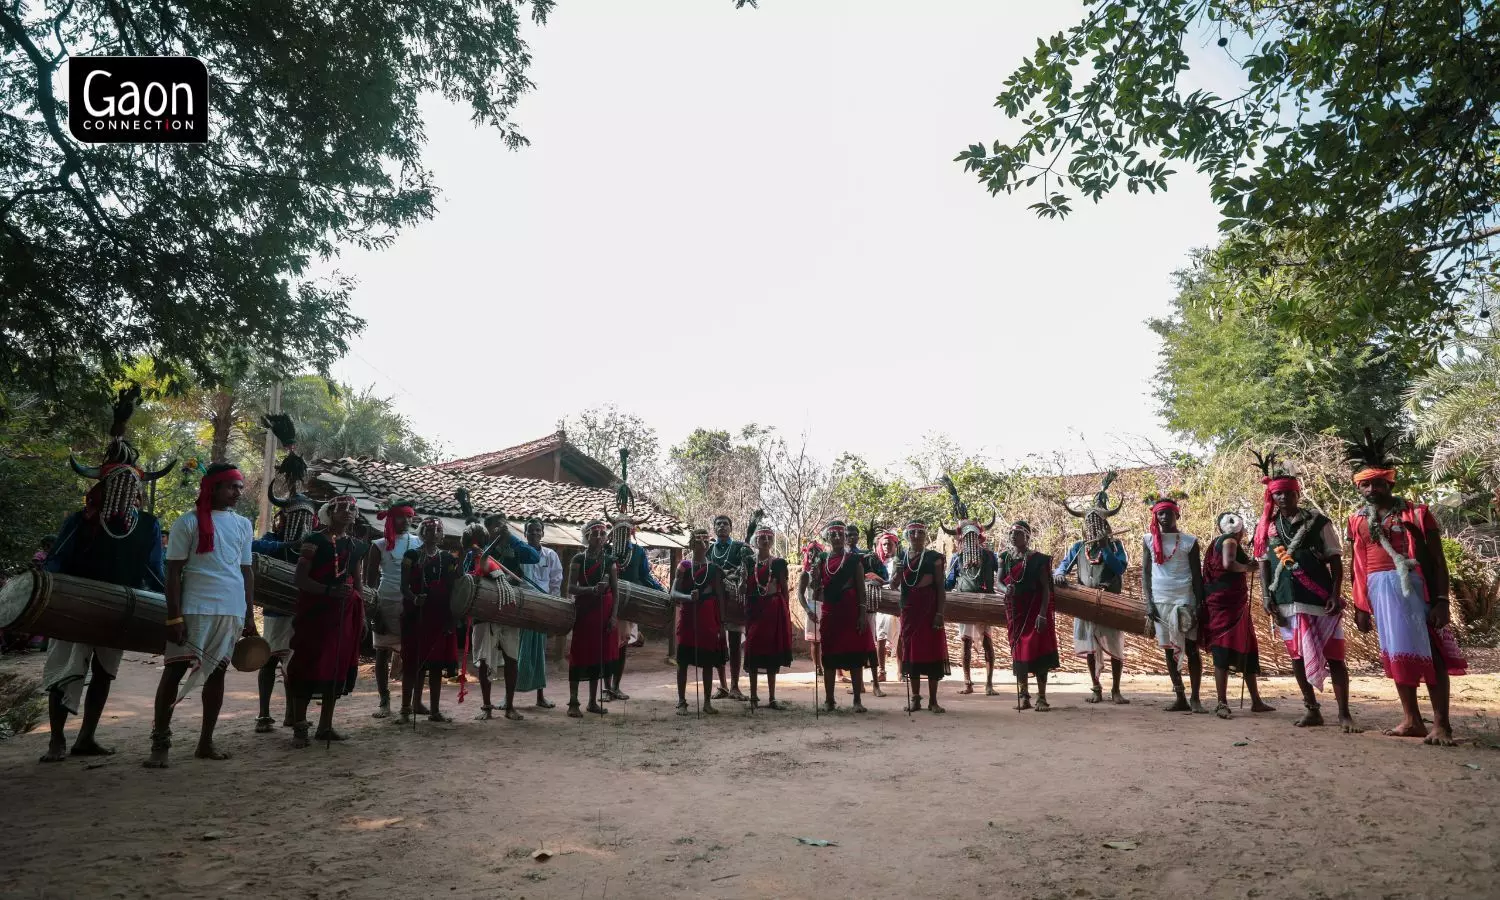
[[972, 571], [113, 540], [1101, 560], [295, 518]]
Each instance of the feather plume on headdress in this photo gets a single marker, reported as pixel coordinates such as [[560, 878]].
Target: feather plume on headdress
[[464, 506], [755, 518], [1371, 458], [960, 508]]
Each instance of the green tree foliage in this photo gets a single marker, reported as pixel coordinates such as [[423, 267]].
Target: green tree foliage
[[192, 253], [1355, 171], [1456, 409], [334, 420], [600, 431], [1226, 374]]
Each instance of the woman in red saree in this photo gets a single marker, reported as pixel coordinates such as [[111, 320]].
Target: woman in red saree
[[698, 588], [326, 627], [923, 648], [592, 582], [1027, 577], [768, 617], [848, 639], [429, 636], [1228, 629]]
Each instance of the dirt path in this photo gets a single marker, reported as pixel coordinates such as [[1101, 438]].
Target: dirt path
[[982, 802]]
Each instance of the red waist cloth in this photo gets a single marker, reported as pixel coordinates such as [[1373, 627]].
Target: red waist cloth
[[594, 642], [920, 642], [326, 633], [844, 627], [768, 625]]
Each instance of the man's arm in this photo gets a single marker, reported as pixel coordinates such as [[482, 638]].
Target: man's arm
[[525, 553], [63, 549], [646, 573], [1146, 580], [248, 574], [372, 566], [555, 575], [1195, 564], [156, 559], [176, 633], [1068, 561], [942, 592], [952, 580]]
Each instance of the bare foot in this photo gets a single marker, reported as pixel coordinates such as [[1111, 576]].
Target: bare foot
[[438, 717], [420, 709], [934, 708], [265, 725], [329, 735], [620, 695], [721, 693], [989, 691], [709, 709], [1198, 707], [1223, 711], [736, 695], [384, 712], [778, 705], [1042, 705], [914, 706], [878, 692], [1262, 706], [513, 715], [157, 760], [1118, 698], [57, 751], [1095, 696], [1407, 729], [830, 706], [209, 751], [89, 747], [968, 688], [1440, 737], [1310, 719], [596, 709], [1349, 726], [485, 712], [859, 707], [574, 712], [1180, 706], [1025, 702], [404, 718], [300, 740]]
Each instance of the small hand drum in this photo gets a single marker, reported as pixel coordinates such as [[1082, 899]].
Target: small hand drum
[[250, 653]]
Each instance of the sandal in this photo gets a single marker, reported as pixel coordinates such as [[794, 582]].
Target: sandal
[[544, 703], [486, 712], [736, 695], [264, 724], [606, 695], [513, 716], [1223, 711], [620, 695], [721, 694], [1042, 705]]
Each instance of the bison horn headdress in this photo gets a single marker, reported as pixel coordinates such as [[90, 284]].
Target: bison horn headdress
[[968, 531], [1096, 527], [298, 511], [622, 521], [115, 501]]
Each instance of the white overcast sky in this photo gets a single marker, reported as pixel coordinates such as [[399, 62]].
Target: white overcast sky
[[733, 216]]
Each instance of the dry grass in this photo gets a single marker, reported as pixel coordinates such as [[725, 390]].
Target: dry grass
[[21, 704]]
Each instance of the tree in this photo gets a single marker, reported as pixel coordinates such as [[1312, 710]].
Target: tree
[[600, 431], [1355, 173], [796, 489], [194, 252], [334, 421], [714, 472], [1226, 374], [1456, 408]]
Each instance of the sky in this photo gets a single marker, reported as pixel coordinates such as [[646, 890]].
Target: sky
[[754, 216]]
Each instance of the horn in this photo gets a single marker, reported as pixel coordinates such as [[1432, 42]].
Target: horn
[[950, 532], [1071, 511], [994, 514], [85, 471], [1110, 513], [163, 472], [276, 501]]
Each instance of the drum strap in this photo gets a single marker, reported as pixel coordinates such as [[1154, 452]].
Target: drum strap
[[129, 613]]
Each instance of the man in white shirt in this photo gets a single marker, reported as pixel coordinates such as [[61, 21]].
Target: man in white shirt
[[383, 568], [548, 575], [209, 589]]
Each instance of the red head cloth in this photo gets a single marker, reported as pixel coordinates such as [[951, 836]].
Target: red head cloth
[[1263, 527], [205, 507], [1159, 505], [1364, 475], [883, 544], [808, 552], [389, 517]]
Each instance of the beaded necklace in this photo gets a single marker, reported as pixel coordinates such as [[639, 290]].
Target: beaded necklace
[[906, 578], [1176, 543], [835, 570], [693, 574]]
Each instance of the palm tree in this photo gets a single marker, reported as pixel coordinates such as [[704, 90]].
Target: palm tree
[[1456, 408]]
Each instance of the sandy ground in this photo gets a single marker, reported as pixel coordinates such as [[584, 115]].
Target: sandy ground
[[984, 801]]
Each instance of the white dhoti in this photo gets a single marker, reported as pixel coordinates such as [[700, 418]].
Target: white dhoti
[[886, 628], [972, 632], [390, 622], [810, 629], [629, 632], [277, 630], [1410, 649], [1176, 625], [208, 644], [67, 669], [493, 643], [1090, 638]]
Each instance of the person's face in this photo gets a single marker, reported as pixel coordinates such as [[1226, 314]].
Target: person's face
[[889, 545], [227, 493], [1286, 502], [341, 515], [596, 537], [836, 541], [534, 535], [401, 522], [763, 542], [699, 544], [430, 535], [917, 538], [1166, 517], [1020, 538], [721, 529], [1377, 491]]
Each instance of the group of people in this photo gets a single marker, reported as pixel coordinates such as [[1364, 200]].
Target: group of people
[[1194, 596]]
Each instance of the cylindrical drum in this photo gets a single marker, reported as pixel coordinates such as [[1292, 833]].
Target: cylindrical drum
[[84, 611], [644, 605], [1117, 611], [276, 586], [488, 600]]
